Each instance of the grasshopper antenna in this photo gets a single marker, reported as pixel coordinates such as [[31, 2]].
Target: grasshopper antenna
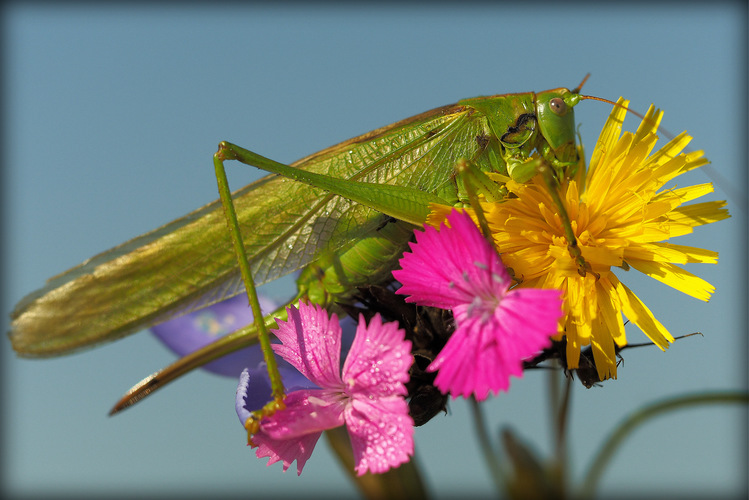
[[577, 89], [594, 98]]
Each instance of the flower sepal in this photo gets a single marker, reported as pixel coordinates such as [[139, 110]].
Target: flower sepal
[[252, 423]]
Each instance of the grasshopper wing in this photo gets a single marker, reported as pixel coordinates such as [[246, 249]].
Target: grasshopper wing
[[189, 263]]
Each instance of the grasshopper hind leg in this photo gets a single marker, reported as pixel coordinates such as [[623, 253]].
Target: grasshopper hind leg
[[472, 181]]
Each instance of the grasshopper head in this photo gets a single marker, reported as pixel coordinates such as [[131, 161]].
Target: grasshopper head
[[556, 120]]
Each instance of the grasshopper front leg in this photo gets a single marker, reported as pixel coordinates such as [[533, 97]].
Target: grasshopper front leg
[[523, 172], [572, 247]]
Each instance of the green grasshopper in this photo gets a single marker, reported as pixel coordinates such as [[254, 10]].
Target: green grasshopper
[[343, 215]]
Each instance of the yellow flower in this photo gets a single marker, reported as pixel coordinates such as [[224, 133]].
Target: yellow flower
[[622, 216]]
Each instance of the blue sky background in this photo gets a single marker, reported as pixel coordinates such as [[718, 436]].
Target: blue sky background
[[112, 115]]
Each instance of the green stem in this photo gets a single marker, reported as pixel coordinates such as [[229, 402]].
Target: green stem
[[403, 482], [562, 417], [559, 404], [639, 417], [490, 455], [222, 154], [554, 397], [560, 438]]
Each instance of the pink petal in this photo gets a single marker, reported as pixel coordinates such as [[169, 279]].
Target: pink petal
[[307, 411], [468, 363], [476, 249], [541, 309], [530, 316], [291, 434], [451, 267], [427, 273], [381, 433], [287, 450], [379, 359], [483, 353], [311, 342]]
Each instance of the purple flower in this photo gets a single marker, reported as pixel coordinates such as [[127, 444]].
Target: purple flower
[[367, 395], [192, 331], [497, 328]]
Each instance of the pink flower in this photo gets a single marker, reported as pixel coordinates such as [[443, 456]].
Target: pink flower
[[497, 328], [367, 396]]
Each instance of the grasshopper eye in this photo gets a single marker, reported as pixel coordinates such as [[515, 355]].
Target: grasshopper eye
[[558, 106]]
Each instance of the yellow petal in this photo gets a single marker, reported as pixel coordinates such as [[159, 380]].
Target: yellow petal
[[639, 314], [573, 347], [670, 150], [650, 122], [437, 214], [679, 165], [686, 194], [675, 277], [693, 254], [610, 305], [656, 252], [609, 135], [603, 351], [700, 213]]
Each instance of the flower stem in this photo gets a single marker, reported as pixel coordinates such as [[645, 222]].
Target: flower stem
[[639, 417], [561, 422], [404, 482], [490, 455], [559, 402]]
